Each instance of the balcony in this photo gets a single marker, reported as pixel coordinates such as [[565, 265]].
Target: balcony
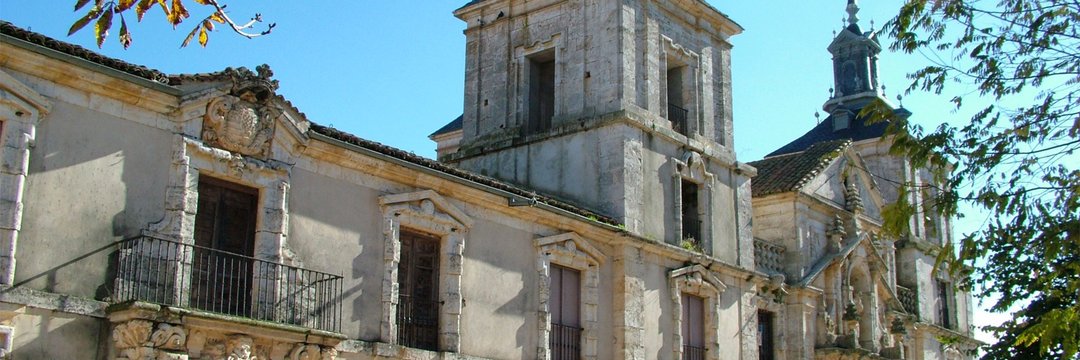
[[183, 275], [769, 257], [693, 352], [678, 117], [909, 298], [565, 342]]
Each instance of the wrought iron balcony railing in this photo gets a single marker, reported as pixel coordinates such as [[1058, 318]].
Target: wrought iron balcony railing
[[678, 117], [418, 323], [909, 298], [690, 352], [565, 342], [189, 276]]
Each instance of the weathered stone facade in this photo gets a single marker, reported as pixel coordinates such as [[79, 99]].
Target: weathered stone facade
[[851, 293], [204, 217]]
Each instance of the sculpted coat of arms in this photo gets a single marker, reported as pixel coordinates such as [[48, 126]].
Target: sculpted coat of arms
[[243, 121]]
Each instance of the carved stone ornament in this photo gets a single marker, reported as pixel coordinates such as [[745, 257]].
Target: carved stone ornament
[[132, 334], [305, 352], [239, 347], [132, 339], [169, 337], [236, 125], [243, 121]]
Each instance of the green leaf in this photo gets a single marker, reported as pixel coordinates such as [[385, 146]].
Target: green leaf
[[82, 22], [125, 35], [123, 5], [141, 8], [190, 35], [101, 27], [79, 4]]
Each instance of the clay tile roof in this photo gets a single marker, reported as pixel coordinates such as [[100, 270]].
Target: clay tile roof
[[16, 32], [789, 172], [453, 171]]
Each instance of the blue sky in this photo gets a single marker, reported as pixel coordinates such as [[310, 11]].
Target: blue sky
[[393, 71]]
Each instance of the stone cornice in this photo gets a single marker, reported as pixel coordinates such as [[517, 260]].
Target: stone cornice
[[86, 76], [636, 117]]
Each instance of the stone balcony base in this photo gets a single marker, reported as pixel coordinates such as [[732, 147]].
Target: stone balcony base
[[142, 331]]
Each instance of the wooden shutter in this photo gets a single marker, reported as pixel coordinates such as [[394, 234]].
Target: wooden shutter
[[693, 312], [418, 280], [225, 241]]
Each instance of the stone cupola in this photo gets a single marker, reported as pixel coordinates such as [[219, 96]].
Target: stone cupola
[[855, 53]]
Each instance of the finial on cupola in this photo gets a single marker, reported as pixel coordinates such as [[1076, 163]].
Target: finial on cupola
[[853, 12]]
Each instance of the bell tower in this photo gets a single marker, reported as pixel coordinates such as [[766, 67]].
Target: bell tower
[[855, 55], [619, 106]]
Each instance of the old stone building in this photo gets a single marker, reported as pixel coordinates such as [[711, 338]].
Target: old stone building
[[588, 204], [818, 205]]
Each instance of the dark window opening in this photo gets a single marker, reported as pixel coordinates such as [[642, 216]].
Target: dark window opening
[[693, 327], [930, 216], [565, 305], [691, 213], [224, 244], [418, 281], [944, 312], [766, 334], [677, 112], [541, 91]]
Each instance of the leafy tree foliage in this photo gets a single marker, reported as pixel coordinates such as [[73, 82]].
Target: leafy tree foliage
[[1016, 157], [104, 12]]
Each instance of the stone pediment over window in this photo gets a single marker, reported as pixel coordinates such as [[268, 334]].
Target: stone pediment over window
[[428, 203], [692, 166], [571, 249], [697, 280]]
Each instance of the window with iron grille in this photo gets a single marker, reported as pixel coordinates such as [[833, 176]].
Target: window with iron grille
[[565, 304], [691, 213], [225, 223], [418, 278], [693, 327], [766, 350], [677, 113]]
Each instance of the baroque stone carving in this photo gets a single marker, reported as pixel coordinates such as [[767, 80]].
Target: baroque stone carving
[[196, 343], [132, 334], [169, 337], [305, 352], [238, 126], [243, 121], [240, 347], [132, 339]]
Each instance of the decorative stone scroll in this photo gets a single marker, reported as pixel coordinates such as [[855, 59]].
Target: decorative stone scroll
[[572, 251], [698, 281]]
